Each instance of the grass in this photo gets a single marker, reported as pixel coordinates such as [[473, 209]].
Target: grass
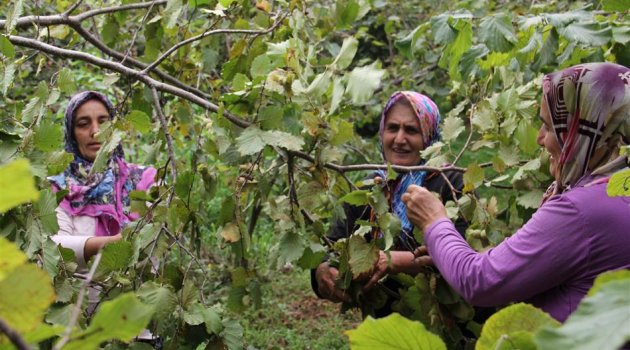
[[292, 317]]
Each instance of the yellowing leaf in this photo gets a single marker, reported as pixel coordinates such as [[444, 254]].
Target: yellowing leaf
[[619, 184], [10, 258], [263, 5], [473, 177], [393, 332], [231, 233], [17, 185]]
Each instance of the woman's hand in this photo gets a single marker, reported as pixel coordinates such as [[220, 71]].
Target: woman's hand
[[423, 208], [326, 277], [94, 244]]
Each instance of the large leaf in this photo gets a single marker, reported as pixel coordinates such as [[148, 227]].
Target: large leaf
[[601, 321], [17, 185], [140, 121], [116, 256], [619, 184], [497, 32], [122, 318], [515, 323], [347, 52], [25, 290], [362, 82], [161, 298], [393, 332], [6, 48], [48, 136], [253, 140], [363, 255]]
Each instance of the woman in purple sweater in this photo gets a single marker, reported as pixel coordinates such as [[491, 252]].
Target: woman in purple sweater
[[579, 231]]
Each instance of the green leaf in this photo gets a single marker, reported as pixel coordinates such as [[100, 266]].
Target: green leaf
[[346, 11], [615, 5], [291, 248], [453, 126], [606, 277], [362, 82], [161, 298], [172, 11], [115, 256], [140, 121], [6, 47], [122, 318], [253, 140], [25, 290], [337, 94], [363, 255], [261, 66], [58, 161], [503, 325], [393, 332], [45, 209], [530, 199], [497, 32], [608, 309], [619, 184], [232, 334], [17, 185], [112, 139], [320, 84], [14, 14], [526, 138], [473, 177], [65, 82], [346, 53], [8, 74], [110, 30], [343, 133], [48, 136], [358, 197]]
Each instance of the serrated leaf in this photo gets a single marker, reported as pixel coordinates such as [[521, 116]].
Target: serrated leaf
[[6, 48], [140, 121], [48, 136], [232, 334], [8, 74], [17, 185], [320, 84], [346, 53], [587, 33], [122, 318], [497, 32], [363, 81], [393, 332], [609, 309], [25, 291], [112, 140], [161, 298], [473, 177], [290, 249], [343, 132], [58, 161], [453, 126], [115, 256], [172, 11], [530, 199], [362, 255], [515, 318], [14, 14], [619, 184], [65, 82], [45, 209]]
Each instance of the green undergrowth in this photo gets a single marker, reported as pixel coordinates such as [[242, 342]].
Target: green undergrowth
[[292, 317]]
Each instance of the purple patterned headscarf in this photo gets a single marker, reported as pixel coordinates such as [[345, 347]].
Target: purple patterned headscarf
[[103, 195], [590, 113], [428, 115]]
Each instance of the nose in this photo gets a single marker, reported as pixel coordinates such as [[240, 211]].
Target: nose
[[540, 138], [95, 128], [400, 136]]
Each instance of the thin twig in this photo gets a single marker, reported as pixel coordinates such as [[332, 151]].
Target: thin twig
[[13, 336], [77, 307], [169, 139], [208, 33], [470, 134], [72, 8]]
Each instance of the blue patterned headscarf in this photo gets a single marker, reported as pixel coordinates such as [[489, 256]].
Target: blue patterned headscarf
[[428, 115]]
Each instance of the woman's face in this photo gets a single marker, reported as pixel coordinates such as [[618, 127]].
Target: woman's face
[[87, 122], [402, 141], [547, 139]]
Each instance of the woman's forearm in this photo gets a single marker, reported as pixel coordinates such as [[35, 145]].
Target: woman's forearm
[[404, 262], [94, 244]]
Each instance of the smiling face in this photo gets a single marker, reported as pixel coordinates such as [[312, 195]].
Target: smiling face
[[547, 139], [87, 122], [402, 140]]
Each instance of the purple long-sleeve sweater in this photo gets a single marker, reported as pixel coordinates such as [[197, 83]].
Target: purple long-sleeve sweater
[[550, 262]]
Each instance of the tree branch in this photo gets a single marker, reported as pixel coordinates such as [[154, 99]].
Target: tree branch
[[208, 33], [77, 307], [167, 135], [14, 336]]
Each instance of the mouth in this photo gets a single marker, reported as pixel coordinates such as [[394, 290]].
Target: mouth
[[401, 151], [94, 146]]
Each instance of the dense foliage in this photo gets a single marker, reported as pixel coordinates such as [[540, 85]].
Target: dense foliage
[[257, 114]]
